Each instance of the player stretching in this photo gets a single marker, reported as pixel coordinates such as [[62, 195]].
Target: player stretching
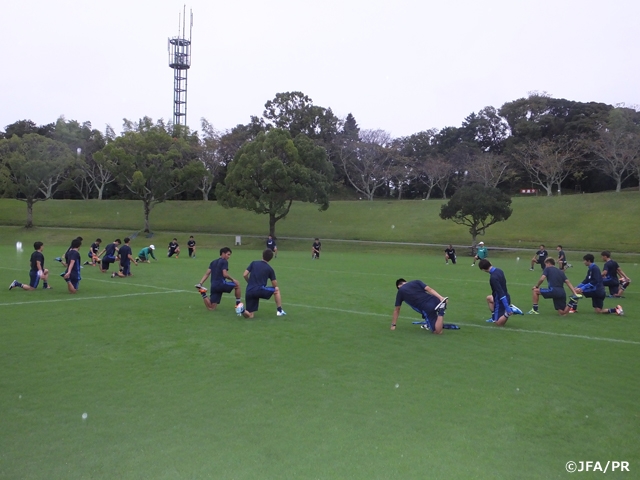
[[315, 249], [540, 257], [72, 275], [450, 254], [592, 287], [37, 271], [257, 274], [499, 301], [271, 245], [424, 300], [613, 276], [173, 249], [93, 253], [125, 260], [191, 245], [221, 281], [481, 253], [556, 280]]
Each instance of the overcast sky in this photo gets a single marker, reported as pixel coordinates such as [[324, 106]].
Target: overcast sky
[[399, 65]]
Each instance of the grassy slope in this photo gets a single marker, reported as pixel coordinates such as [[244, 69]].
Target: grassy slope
[[588, 222]]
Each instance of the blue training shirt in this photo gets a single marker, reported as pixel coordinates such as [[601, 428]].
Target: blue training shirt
[[125, 251], [593, 278], [414, 295], [261, 272], [555, 277], [498, 283], [75, 271], [216, 267], [611, 267]]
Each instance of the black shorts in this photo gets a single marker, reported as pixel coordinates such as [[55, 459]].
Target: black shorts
[[253, 297], [220, 288], [597, 298], [558, 295]]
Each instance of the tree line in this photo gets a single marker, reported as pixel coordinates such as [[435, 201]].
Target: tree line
[[297, 150]]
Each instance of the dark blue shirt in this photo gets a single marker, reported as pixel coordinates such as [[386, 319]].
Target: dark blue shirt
[[35, 257], [95, 248], [261, 272], [555, 277], [498, 283], [125, 251], [75, 270], [561, 256], [191, 243], [216, 267], [414, 295], [594, 277], [542, 256], [271, 244], [110, 250], [611, 267]]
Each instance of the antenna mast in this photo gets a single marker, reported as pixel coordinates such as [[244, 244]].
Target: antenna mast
[[180, 60]]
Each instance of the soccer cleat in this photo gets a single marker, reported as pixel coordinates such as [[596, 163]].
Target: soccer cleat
[[240, 308], [573, 310], [531, 269], [473, 264], [576, 297], [13, 284], [516, 310], [491, 320], [200, 288], [281, 313], [533, 312], [619, 310], [113, 275], [442, 304], [425, 327]]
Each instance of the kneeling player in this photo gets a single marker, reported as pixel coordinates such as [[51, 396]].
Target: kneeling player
[[72, 275], [110, 254], [450, 254], [174, 249], [592, 287], [424, 300], [556, 280], [257, 274], [221, 281], [37, 271]]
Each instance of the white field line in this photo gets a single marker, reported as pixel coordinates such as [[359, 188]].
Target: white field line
[[488, 327], [77, 299]]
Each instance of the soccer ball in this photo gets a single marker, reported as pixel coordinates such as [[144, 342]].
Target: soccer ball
[[240, 308], [19, 246]]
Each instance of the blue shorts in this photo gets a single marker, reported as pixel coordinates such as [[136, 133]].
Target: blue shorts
[[613, 284], [429, 314], [106, 261], [253, 297], [498, 308], [75, 281], [219, 288], [558, 295], [34, 278], [597, 297], [126, 268]]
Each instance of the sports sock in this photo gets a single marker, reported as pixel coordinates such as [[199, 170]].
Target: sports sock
[[203, 294], [611, 310], [18, 284], [279, 309], [238, 300], [45, 285], [535, 307]]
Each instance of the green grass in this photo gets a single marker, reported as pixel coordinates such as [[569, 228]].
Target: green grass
[[578, 222], [175, 391]]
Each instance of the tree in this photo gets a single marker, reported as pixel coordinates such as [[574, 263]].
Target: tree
[[435, 171], [549, 162], [366, 163], [25, 127], [272, 171], [150, 163], [32, 167], [478, 207], [210, 156], [490, 169], [618, 146]]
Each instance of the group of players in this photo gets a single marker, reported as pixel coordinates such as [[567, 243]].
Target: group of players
[[422, 298], [431, 305]]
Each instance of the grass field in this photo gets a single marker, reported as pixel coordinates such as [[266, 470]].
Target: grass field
[[174, 391]]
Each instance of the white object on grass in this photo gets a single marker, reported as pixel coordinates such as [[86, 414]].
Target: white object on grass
[[84, 416]]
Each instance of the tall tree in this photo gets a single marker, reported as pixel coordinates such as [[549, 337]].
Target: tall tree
[[25, 127], [477, 207], [367, 163], [32, 167], [490, 169], [549, 162], [210, 155], [435, 171], [618, 146], [272, 171], [150, 163]]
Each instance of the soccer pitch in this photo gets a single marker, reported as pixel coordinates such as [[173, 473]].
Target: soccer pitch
[[172, 390]]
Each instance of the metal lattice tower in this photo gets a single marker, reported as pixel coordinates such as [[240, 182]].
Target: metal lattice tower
[[180, 60]]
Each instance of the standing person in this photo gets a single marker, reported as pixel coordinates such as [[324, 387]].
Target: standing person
[[271, 245], [37, 271], [556, 279], [93, 253], [221, 281], [315, 249], [611, 275], [499, 301], [424, 300], [125, 260], [592, 287], [562, 259], [191, 245], [257, 274], [450, 254], [145, 254], [481, 253], [540, 257], [173, 249], [110, 254], [72, 275]]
